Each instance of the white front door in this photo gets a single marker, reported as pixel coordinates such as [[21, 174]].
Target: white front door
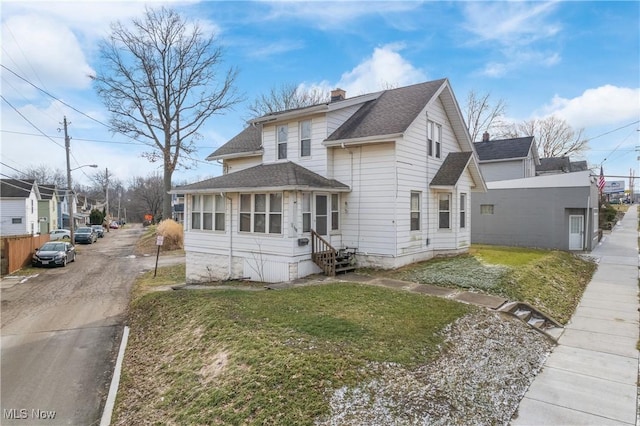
[[576, 232]]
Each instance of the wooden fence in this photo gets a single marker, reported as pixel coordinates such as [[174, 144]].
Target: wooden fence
[[16, 251]]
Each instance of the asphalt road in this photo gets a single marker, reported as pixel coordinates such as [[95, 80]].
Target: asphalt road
[[60, 333]]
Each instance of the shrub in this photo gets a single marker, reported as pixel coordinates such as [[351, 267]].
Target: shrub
[[173, 234]]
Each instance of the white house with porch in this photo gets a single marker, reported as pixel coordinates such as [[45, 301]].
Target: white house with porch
[[387, 176]]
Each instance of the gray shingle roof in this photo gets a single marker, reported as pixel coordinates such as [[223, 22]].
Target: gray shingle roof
[[249, 140], [392, 112], [504, 149], [559, 164], [15, 188], [451, 169], [46, 191], [286, 175], [578, 166]]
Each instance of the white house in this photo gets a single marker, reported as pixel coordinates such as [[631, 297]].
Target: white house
[[503, 159], [19, 207], [387, 174]]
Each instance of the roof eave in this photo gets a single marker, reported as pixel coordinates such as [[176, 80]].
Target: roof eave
[[234, 155], [261, 188], [364, 140]]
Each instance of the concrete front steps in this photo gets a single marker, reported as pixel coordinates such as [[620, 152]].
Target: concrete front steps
[[534, 318]]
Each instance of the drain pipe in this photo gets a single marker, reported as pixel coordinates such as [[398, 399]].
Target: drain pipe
[[230, 256]]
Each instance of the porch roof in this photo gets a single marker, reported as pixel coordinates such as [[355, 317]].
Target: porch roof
[[451, 169], [274, 176]]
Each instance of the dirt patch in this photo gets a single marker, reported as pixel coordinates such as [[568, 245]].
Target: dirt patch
[[216, 365]]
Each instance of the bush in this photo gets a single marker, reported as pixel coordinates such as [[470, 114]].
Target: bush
[[173, 234]]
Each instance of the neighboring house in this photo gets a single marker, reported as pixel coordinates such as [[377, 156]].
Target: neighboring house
[[504, 159], [19, 207], [557, 211], [68, 204], [48, 208], [556, 165], [177, 207], [387, 174]]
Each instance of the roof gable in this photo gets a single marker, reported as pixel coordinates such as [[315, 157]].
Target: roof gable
[[451, 169], [391, 113], [283, 175], [17, 188], [506, 149]]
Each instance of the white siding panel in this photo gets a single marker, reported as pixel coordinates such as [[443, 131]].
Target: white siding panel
[[503, 170], [337, 118], [237, 164], [14, 209]]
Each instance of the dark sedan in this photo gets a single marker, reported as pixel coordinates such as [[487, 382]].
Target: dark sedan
[[85, 235], [54, 253]]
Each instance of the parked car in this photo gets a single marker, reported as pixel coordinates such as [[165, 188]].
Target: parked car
[[85, 235], [54, 253], [60, 234], [99, 230], [114, 225]]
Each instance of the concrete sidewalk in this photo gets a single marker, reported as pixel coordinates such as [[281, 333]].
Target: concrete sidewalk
[[591, 377]]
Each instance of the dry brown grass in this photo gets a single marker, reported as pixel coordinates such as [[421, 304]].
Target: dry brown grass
[[173, 234]]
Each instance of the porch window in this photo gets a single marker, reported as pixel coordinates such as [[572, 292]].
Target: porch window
[[282, 135], [261, 213], [335, 212], [207, 212], [463, 211], [306, 212], [305, 138], [415, 211], [444, 211]]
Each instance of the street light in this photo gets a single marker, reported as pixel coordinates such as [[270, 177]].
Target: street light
[[72, 195]]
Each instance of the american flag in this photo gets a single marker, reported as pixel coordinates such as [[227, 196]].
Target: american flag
[[601, 180]]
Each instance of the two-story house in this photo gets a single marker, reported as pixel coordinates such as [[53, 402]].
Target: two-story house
[[19, 207], [48, 208], [387, 174]]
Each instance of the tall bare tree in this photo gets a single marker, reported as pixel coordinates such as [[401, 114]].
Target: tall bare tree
[[161, 82], [284, 97], [484, 116], [44, 175], [149, 194], [554, 136]]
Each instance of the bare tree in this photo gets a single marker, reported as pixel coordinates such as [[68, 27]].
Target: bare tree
[[554, 136], [44, 175], [287, 96], [483, 116], [148, 193], [160, 83]]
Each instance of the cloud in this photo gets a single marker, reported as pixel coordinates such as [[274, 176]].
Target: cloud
[[603, 105], [383, 69]]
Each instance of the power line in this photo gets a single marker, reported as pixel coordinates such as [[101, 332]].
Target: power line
[[27, 120], [77, 139], [53, 97]]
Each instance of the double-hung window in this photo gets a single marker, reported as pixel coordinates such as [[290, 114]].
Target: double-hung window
[[444, 211], [434, 139], [415, 211], [335, 212], [207, 212], [261, 213], [306, 212], [305, 138], [463, 211], [282, 135]]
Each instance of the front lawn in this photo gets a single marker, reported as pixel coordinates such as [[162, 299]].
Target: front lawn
[[269, 357]]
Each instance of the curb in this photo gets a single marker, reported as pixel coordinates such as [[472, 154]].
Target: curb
[[115, 381]]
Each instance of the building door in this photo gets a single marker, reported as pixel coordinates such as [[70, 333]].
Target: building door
[[576, 232], [322, 214]]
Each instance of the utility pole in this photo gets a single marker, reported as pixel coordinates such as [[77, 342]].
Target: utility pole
[[106, 190], [70, 195]]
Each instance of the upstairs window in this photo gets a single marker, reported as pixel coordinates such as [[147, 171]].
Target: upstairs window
[[415, 211], [305, 138], [282, 135], [434, 139]]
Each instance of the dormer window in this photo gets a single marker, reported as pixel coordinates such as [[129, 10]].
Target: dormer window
[[282, 135]]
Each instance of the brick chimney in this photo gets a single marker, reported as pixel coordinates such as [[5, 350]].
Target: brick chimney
[[338, 95], [485, 137]]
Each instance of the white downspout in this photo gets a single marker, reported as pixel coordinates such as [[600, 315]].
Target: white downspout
[[230, 256]]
